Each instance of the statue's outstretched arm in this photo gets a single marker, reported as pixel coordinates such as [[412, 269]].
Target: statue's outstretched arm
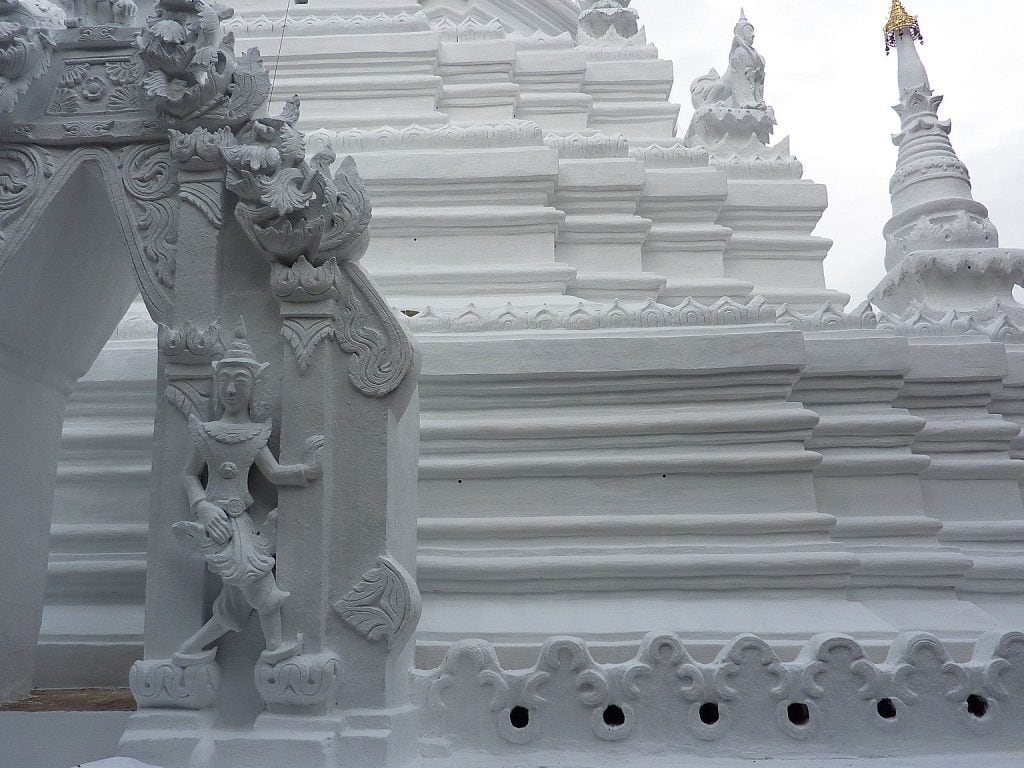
[[292, 474]]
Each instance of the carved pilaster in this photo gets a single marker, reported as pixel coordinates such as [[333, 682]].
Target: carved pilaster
[[308, 306]]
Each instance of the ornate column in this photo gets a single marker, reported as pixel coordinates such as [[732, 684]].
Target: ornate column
[[328, 570]]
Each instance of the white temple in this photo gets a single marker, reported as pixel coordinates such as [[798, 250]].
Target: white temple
[[671, 500]]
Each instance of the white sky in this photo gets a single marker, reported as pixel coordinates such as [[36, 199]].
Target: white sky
[[832, 88]]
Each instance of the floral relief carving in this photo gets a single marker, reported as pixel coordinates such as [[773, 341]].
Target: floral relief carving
[[385, 604], [367, 329], [23, 171], [150, 180], [98, 85], [191, 69]]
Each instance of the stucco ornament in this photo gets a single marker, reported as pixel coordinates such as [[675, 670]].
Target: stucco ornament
[[599, 18], [192, 71], [315, 228], [233, 545], [288, 208], [385, 604], [26, 45], [731, 119]]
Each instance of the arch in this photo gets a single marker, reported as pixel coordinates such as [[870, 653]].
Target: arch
[[68, 271], [140, 183]]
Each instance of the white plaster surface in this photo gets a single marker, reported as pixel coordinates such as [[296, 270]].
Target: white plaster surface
[[642, 409]]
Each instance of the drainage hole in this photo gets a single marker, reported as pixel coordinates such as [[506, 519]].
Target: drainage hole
[[460, 482], [798, 713], [977, 705], [709, 713], [886, 709], [519, 717], [614, 716]]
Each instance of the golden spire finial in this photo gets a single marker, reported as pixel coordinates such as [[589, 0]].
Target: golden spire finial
[[899, 22]]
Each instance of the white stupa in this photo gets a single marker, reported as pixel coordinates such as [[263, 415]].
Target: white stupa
[[675, 502]]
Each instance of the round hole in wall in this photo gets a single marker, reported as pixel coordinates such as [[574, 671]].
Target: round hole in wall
[[664, 477], [519, 717], [977, 705], [886, 709], [708, 713], [614, 716], [460, 482], [798, 713]]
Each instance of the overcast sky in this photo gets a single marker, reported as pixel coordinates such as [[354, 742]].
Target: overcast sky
[[832, 87]]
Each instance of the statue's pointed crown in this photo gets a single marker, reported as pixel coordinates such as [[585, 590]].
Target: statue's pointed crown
[[240, 353], [899, 19]]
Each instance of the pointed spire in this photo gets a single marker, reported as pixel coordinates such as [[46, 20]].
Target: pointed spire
[[900, 22], [743, 14]]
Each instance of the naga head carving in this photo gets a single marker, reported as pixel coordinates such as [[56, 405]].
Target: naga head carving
[[288, 208]]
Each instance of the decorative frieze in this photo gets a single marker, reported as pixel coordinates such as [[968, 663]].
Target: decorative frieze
[[250, 25], [918, 700], [590, 316], [591, 145], [513, 133]]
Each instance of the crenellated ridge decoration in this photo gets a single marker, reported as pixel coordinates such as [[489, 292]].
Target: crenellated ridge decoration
[[746, 698]]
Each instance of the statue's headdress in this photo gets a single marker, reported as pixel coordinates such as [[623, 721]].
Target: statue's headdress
[[743, 23], [240, 353]]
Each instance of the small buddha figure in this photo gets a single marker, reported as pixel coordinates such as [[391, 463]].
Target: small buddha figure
[[742, 86], [234, 547]]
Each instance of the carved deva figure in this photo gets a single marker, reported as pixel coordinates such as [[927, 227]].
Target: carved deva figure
[[742, 86], [234, 548]]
